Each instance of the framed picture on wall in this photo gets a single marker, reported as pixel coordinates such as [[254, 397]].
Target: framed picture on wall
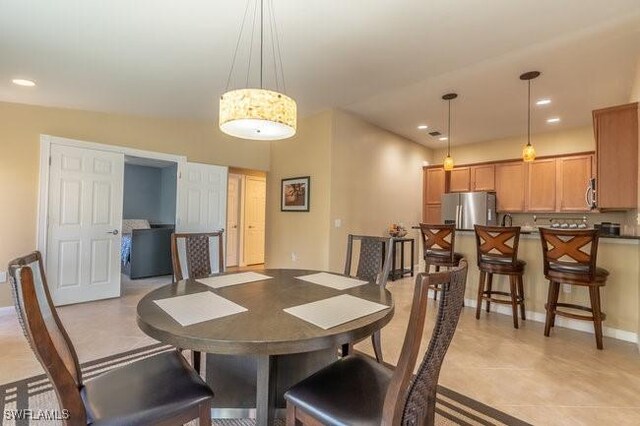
[[295, 194]]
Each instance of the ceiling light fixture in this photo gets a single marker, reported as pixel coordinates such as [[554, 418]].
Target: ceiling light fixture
[[23, 82], [423, 127], [448, 161], [542, 102], [259, 113], [553, 120], [444, 138], [528, 153]]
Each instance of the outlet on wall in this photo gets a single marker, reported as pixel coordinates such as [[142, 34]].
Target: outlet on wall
[[294, 257], [3, 276], [566, 288]]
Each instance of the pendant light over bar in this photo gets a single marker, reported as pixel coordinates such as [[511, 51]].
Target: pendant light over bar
[[448, 161], [259, 113], [528, 152]]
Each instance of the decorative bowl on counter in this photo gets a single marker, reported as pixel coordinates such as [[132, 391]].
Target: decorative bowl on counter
[[397, 231]]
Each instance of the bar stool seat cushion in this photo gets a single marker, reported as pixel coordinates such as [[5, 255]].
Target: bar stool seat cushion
[[502, 261], [576, 273], [144, 392], [334, 395]]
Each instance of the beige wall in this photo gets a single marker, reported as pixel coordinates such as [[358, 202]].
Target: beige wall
[[635, 89], [20, 129], [376, 181], [553, 143], [304, 234]]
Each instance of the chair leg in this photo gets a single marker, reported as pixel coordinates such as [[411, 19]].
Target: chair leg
[[521, 294], [489, 288], [195, 361], [291, 414], [480, 293], [556, 295], [550, 308], [514, 299], [204, 417], [594, 293], [377, 345]]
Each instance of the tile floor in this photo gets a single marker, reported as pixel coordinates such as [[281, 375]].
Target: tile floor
[[558, 380]]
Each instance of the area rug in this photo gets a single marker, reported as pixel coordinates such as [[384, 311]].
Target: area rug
[[35, 393]]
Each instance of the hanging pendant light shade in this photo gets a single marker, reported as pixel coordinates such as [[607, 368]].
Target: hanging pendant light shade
[[259, 113], [528, 152], [448, 160]]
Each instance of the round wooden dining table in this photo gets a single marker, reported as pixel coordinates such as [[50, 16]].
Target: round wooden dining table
[[253, 357]]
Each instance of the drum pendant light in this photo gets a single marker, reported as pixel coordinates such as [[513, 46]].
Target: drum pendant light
[[259, 113], [448, 161], [528, 152]]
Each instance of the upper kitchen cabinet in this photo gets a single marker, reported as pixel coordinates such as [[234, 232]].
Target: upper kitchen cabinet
[[434, 185], [574, 175], [616, 133], [460, 179], [541, 186], [483, 178], [510, 186]]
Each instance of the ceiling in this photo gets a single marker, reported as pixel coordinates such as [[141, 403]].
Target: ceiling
[[388, 62]]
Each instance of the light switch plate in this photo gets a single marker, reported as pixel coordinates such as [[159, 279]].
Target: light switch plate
[[337, 223], [566, 288], [3, 276]]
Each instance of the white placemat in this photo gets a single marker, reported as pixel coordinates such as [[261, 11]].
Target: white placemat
[[198, 307], [335, 311], [339, 282], [233, 279]]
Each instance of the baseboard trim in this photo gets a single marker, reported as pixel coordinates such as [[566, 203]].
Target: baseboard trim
[[616, 333]]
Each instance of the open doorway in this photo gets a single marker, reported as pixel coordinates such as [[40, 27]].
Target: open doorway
[[246, 211], [148, 216]]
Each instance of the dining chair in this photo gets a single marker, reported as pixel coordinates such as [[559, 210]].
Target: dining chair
[[438, 246], [570, 257], [161, 389], [497, 253], [374, 265], [334, 395], [198, 260]]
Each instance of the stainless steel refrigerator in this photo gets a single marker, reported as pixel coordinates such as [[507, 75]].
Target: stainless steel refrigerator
[[466, 209]]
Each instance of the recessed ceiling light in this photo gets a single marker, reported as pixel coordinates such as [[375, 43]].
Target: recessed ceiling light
[[23, 82], [423, 126], [553, 120], [444, 138], [543, 102]]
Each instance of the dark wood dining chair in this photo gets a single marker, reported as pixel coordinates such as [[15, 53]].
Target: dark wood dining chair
[[497, 253], [162, 389], [198, 260], [334, 395], [570, 257], [374, 265], [438, 247]]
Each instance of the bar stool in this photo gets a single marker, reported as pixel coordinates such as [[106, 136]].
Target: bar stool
[[438, 242], [565, 262], [497, 251]]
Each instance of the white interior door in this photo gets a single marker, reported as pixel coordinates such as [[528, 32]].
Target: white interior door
[[202, 204], [233, 220], [254, 219], [84, 223]]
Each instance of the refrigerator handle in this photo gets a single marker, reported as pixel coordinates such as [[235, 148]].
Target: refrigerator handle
[[457, 216], [461, 216]]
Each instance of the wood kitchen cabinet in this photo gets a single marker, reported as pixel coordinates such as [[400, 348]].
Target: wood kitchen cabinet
[[574, 175], [510, 186], [433, 187], [616, 133], [483, 178], [541, 186], [432, 213], [460, 179]]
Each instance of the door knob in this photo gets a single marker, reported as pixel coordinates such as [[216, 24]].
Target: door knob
[[251, 226], [114, 232]]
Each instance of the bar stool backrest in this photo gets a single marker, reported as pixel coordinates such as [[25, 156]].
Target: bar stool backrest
[[497, 244], [572, 251], [438, 240]]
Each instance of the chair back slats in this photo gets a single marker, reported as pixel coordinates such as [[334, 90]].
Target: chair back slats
[[45, 333], [374, 259], [497, 243], [197, 254], [576, 249], [438, 239], [416, 406]]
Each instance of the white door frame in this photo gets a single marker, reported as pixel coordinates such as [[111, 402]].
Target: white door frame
[[43, 181]]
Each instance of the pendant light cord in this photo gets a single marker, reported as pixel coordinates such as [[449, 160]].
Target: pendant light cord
[[529, 113], [235, 52], [261, 41], [449, 131]]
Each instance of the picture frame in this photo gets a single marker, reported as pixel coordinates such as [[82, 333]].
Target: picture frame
[[295, 194]]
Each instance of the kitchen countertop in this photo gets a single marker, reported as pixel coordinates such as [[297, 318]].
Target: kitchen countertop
[[535, 232]]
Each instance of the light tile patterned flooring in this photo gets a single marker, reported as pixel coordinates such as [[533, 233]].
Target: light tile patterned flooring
[[558, 380]]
